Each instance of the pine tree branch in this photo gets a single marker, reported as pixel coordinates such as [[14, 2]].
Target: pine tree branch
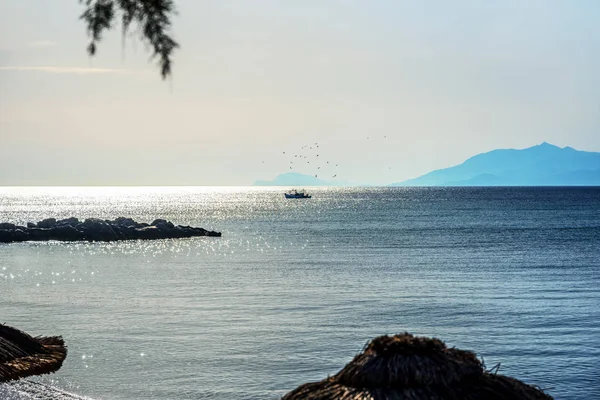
[[152, 16]]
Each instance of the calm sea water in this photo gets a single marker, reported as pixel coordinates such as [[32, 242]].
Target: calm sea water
[[295, 288]]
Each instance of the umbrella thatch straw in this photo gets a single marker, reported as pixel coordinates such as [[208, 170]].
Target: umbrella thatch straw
[[22, 355], [407, 367]]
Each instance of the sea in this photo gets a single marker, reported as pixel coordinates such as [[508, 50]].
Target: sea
[[295, 288]]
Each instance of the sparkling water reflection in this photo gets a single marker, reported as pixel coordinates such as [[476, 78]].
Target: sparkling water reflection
[[294, 288]]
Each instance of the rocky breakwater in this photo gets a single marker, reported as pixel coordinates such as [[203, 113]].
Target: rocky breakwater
[[95, 229]]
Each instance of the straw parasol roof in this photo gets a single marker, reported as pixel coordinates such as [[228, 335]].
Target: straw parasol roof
[[22, 355], [407, 367]]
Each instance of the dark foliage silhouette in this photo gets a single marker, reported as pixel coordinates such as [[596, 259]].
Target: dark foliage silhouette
[[152, 18]]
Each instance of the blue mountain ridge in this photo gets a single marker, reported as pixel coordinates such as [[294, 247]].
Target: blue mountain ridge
[[541, 165]]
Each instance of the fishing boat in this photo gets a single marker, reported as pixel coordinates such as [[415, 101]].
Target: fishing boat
[[297, 194]]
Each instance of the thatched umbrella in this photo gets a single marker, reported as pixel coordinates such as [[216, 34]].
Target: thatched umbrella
[[406, 367], [22, 355]]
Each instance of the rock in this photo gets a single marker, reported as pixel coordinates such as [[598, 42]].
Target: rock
[[148, 232], [158, 221], [164, 226], [92, 221], [46, 223], [6, 236], [124, 232], [95, 229], [177, 233], [68, 221], [122, 221], [64, 232], [20, 235], [39, 234]]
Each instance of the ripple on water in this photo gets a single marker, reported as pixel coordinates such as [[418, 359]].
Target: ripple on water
[[294, 289]]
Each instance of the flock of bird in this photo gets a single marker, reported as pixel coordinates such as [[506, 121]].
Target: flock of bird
[[305, 155], [310, 156]]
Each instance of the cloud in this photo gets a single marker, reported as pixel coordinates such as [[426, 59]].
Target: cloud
[[71, 70], [41, 43]]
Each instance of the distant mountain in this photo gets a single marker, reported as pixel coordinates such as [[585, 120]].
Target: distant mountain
[[294, 179], [541, 165]]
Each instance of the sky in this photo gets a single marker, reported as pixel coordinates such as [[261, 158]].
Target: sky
[[389, 89]]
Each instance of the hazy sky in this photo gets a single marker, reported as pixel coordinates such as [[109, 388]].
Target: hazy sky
[[443, 80]]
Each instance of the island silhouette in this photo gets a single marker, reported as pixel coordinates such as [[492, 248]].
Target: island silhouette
[[541, 165]]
